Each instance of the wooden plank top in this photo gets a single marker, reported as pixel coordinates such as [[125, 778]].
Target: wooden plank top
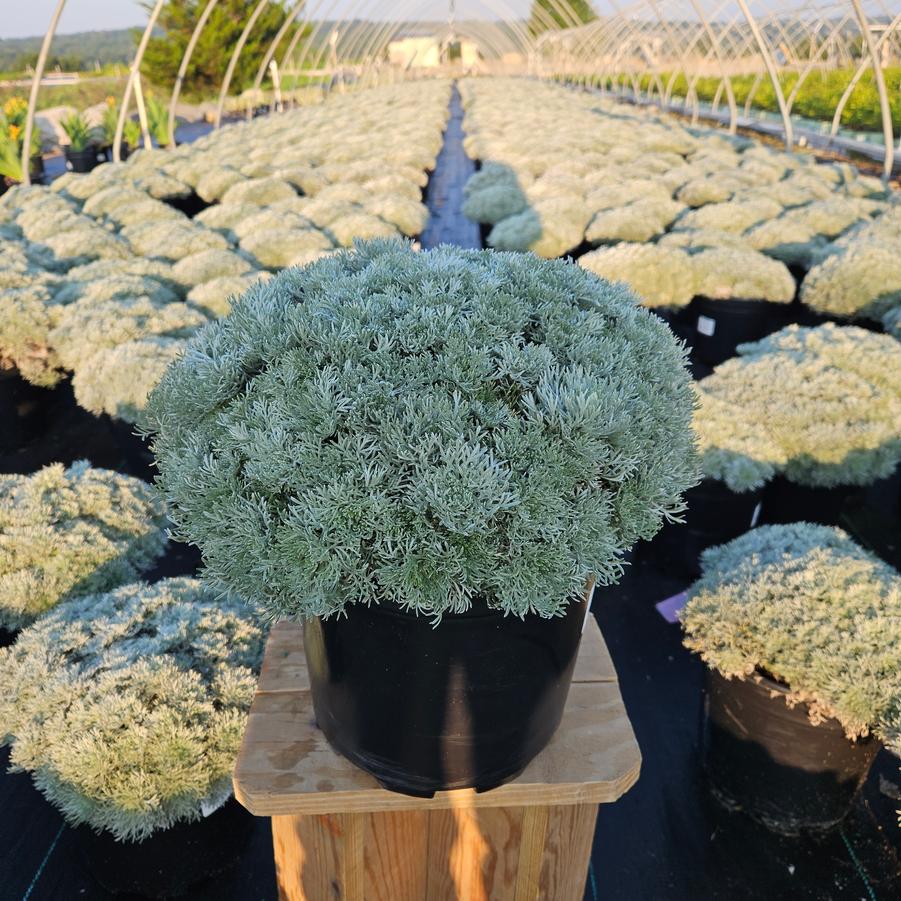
[[286, 766]]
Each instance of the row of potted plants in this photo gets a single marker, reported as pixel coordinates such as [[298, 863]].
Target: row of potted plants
[[798, 426], [748, 221], [107, 275], [444, 452], [410, 459], [125, 702]]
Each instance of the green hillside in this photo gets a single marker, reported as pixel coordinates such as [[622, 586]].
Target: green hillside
[[82, 51]]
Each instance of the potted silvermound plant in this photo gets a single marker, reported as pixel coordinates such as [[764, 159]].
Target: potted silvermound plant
[[68, 532], [430, 458], [801, 631], [810, 415], [127, 709]]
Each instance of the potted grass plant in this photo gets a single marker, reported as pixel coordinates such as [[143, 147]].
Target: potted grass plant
[[82, 152], [801, 631], [131, 138], [108, 122], [127, 709], [158, 121], [430, 458]]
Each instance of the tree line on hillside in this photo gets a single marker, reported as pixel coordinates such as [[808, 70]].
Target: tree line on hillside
[[71, 52]]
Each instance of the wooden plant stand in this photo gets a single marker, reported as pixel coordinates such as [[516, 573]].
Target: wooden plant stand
[[338, 835]]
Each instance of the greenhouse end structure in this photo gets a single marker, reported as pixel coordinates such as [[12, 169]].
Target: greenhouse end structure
[[674, 54], [451, 451]]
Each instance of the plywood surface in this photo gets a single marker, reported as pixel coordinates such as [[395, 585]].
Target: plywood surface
[[286, 766]]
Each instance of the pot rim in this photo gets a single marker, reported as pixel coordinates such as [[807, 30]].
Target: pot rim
[[392, 608], [768, 682]]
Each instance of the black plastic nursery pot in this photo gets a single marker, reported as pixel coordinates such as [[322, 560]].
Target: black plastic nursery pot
[[168, 863], [82, 161], [770, 761], [465, 704], [7, 637], [719, 326], [786, 501], [190, 204], [108, 153], [22, 407], [714, 515]]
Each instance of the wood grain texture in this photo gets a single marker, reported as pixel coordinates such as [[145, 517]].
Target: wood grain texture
[[567, 852], [456, 854], [396, 855], [286, 766]]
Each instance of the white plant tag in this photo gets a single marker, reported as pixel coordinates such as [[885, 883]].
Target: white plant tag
[[706, 325], [756, 514]]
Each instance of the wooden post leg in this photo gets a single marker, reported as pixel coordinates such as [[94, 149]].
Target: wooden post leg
[[351, 856], [567, 853], [509, 853]]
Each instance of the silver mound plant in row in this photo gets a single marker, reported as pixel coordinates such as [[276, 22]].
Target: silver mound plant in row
[[127, 708], [821, 406], [809, 607], [432, 429], [70, 532], [560, 168]]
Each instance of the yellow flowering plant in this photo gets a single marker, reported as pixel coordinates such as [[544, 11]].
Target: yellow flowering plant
[[12, 135]]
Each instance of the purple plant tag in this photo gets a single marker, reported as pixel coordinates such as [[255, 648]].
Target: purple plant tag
[[669, 609]]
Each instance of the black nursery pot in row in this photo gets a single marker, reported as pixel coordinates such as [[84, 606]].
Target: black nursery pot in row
[[715, 515], [785, 501], [719, 326], [768, 759], [86, 160], [465, 705]]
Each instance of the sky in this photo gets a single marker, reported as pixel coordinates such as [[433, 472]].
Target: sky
[[26, 18]]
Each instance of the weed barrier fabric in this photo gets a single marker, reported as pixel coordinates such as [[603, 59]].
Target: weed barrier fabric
[[168, 863], [464, 704], [769, 760]]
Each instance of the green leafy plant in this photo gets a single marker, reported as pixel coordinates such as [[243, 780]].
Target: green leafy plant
[[80, 134], [821, 406], [131, 134], [12, 138], [127, 708], [807, 606], [70, 532], [429, 428], [158, 121], [109, 121]]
